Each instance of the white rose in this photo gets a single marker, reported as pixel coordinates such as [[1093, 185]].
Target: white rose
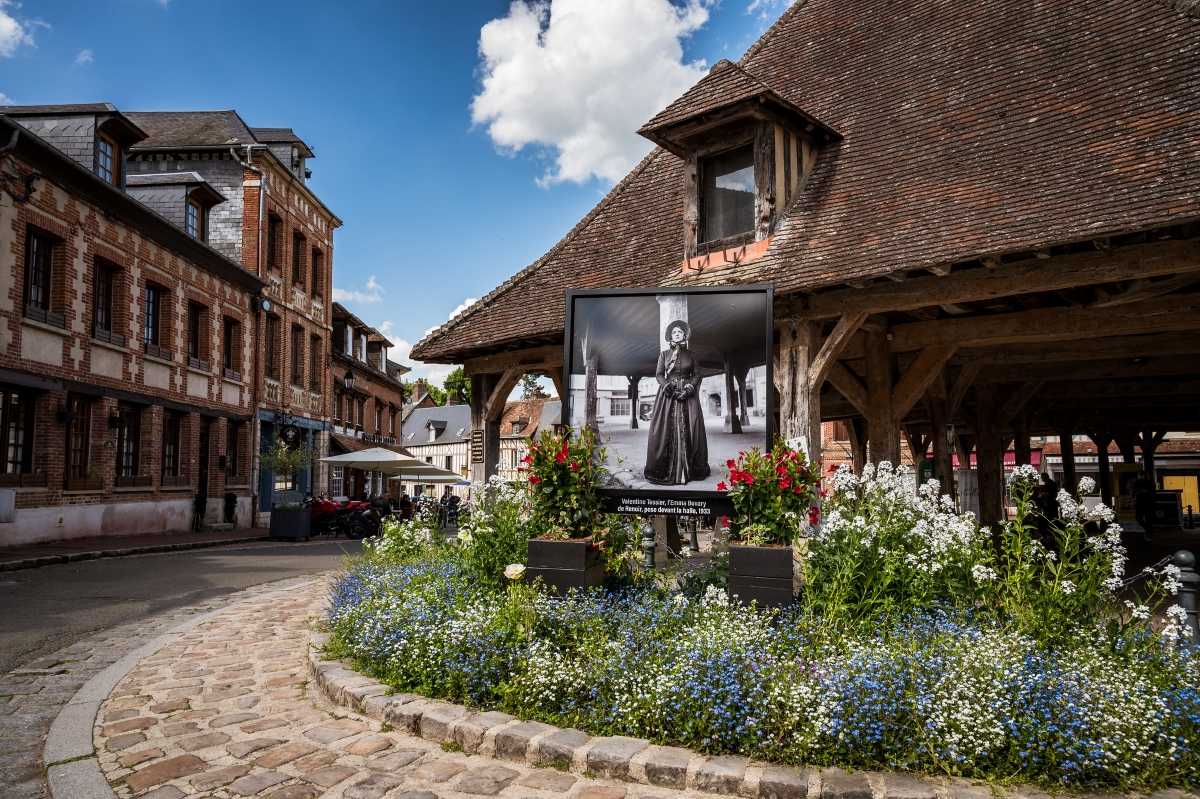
[[514, 571]]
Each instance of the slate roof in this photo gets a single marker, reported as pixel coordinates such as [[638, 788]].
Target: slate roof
[[970, 129], [54, 110], [286, 135], [176, 129], [453, 424]]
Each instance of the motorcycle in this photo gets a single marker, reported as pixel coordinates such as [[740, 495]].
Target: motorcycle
[[352, 518]]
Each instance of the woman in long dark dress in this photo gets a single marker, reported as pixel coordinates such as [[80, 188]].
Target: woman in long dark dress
[[677, 448]]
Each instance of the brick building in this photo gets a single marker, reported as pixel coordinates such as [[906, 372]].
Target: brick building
[[368, 400], [280, 231], [124, 338]]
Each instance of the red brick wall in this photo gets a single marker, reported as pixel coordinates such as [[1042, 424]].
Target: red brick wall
[[86, 234]]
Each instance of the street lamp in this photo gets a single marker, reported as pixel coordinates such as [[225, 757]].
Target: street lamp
[[348, 381]]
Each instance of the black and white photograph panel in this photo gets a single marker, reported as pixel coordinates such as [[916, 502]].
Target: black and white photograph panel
[[674, 384]]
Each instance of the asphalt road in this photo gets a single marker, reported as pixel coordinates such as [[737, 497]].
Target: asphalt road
[[45, 609]]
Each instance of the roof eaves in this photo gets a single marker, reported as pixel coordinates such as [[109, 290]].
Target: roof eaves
[[115, 199]]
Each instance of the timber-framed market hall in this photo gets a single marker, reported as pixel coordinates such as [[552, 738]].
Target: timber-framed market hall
[[980, 222]]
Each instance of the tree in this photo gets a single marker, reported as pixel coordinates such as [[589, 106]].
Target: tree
[[531, 388], [458, 385]]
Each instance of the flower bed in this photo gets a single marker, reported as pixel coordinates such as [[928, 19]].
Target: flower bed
[[921, 643]]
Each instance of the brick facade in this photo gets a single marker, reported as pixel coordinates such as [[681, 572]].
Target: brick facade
[[60, 362]]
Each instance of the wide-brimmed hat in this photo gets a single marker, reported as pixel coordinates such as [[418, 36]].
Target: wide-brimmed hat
[[687, 331]]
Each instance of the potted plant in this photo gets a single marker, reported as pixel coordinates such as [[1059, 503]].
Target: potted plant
[[564, 474], [774, 497], [289, 516]]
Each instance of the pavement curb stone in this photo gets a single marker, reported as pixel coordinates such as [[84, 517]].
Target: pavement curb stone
[[634, 760], [73, 557]]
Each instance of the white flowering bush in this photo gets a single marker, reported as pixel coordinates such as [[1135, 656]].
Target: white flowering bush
[[922, 642], [401, 540], [885, 550]]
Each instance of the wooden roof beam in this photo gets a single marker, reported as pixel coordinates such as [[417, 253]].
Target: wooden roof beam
[[1047, 324], [1156, 259]]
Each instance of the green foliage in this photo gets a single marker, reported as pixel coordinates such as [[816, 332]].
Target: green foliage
[[564, 481], [285, 461], [457, 385], [531, 388], [772, 494], [496, 534]]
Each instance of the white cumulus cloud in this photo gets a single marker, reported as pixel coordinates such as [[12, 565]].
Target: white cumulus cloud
[[86, 56], [577, 78], [5, 99], [371, 293], [15, 32]]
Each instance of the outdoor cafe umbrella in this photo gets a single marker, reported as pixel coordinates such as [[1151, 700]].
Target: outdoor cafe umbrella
[[449, 478], [377, 459]]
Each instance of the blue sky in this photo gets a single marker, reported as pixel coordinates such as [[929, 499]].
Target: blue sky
[[458, 141]]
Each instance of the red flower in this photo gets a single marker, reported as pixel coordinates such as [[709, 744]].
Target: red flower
[[814, 515], [574, 466], [534, 479], [527, 459], [561, 457], [781, 470], [798, 488], [722, 487], [731, 464], [747, 478], [785, 483]]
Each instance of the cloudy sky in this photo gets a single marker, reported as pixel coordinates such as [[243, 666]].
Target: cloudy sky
[[457, 147]]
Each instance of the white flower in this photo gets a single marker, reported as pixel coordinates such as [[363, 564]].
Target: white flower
[[514, 571], [1067, 587], [1087, 485], [1024, 475], [983, 574]]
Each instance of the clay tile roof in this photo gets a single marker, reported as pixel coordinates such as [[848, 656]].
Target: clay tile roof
[[970, 129], [174, 129], [726, 84]]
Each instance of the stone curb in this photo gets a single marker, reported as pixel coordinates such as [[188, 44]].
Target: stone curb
[[69, 756], [634, 760], [72, 557]]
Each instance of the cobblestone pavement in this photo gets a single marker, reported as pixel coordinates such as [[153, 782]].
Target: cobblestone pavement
[[227, 711], [32, 696]]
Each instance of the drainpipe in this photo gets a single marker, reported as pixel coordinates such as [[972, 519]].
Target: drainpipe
[[255, 383]]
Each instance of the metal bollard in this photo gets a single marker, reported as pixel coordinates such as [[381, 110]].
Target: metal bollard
[[1189, 591], [647, 543]]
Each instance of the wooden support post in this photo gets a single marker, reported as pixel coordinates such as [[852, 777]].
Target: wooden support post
[[634, 382], [943, 465], [989, 458], [918, 442], [1150, 441], [1102, 439], [733, 420], [806, 423], [1126, 442], [858, 442], [1021, 445], [1066, 444], [881, 423]]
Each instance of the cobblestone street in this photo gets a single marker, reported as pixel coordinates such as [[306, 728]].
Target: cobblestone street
[[227, 711]]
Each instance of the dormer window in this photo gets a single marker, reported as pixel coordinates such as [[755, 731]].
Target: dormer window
[[747, 148], [107, 160], [727, 195], [193, 220]]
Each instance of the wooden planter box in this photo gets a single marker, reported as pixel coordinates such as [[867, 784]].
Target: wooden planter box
[[762, 575], [563, 565], [290, 523]]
